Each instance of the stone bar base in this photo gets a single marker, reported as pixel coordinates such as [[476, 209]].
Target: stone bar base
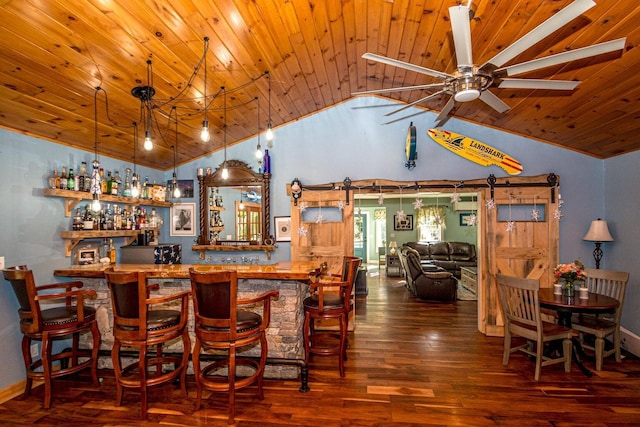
[[284, 334]]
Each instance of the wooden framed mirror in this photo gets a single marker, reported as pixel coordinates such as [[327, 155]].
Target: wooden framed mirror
[[219, 199]]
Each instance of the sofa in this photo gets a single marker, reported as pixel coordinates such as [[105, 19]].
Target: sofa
[[429, 282], [449, 255]]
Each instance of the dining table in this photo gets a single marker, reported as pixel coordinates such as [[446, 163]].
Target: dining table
[[566, 306]]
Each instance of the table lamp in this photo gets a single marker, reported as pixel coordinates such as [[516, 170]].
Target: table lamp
[[392, 247], [598, 233]]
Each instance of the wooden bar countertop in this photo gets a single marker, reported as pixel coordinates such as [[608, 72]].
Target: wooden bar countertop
[[287, 270]]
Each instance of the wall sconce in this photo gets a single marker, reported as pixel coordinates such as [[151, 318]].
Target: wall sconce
[[296, 190], [598, 233]]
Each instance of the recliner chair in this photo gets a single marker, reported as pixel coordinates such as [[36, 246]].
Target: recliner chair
[[429, 285]]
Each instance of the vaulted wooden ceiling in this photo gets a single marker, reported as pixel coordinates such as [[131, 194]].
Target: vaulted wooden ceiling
[[54, 53]]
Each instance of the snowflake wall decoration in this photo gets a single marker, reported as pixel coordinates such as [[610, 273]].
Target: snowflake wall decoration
[[511, 226], [417, 204], [400, 215], [302, 231], [319, 219], [341, 205], [302, 207], [535, 214], [472, 220], [455, 197], [490, 204], [381, 199]]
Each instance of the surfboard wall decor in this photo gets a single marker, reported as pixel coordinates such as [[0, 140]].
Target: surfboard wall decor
[[475, 151]]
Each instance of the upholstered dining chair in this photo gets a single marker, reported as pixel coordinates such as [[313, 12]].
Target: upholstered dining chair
[[67, 317], [144, 322], [612, 284], [226, 324], [330, 299], [521, 308]]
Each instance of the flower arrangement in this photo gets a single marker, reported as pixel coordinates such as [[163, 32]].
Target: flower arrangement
[[570, 272]]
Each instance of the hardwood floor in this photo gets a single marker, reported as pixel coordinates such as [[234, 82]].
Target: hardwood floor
[[411, 363]]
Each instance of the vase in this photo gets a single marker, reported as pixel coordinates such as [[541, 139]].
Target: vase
[[568, 288]]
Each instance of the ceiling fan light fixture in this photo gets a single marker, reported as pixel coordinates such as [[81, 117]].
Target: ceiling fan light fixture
[[467, 95]]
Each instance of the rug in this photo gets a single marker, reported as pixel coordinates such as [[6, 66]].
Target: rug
[[465, 294]]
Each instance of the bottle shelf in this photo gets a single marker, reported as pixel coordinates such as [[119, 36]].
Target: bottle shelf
[[72, 198], [72, 238]]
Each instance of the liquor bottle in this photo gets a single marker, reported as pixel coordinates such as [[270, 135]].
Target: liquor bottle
[[77, 221], [127, 183], [87, 219], [63, 178], [71, 180], [267, 162], [54, 179], [145, 188], [108, 218], [117, 218], [103, 182], [80, 179], [104, 250], [118, 180], [112, 252]]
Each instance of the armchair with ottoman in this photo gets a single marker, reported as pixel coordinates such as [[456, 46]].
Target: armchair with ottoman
[[448, 255], [428, 282]]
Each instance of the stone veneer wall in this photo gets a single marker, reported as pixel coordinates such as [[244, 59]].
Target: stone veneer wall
[[284, 334]]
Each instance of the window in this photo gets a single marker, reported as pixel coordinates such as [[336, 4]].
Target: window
[[431, 223], [248, 221]]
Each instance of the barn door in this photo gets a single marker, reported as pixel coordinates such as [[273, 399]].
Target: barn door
[[520, 239], [322, 228]]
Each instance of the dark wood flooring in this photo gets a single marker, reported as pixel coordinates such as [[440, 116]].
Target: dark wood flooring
[[411, 363]]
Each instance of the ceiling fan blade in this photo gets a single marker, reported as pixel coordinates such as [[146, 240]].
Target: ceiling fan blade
[[552, 24], [561, 58], [405, 117], [493, 101], [433, 95], [461, 35], [444, 113], [398, 89], [406, 66], [538, 84]]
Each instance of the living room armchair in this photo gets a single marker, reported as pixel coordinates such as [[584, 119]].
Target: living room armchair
[[437, 285]]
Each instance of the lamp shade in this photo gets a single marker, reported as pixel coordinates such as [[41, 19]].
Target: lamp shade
[[598, 232], [393, 244]]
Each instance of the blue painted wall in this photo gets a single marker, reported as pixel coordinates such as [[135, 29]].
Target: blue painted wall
[[326, 147]]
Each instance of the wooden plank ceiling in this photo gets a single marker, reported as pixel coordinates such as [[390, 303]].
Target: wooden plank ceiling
[[53, 53]]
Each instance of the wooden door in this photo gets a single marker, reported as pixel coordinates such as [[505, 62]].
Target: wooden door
[[328, 238], [516, 242]]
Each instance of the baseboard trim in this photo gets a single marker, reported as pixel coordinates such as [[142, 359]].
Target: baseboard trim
[[12, 391], [630, 342]]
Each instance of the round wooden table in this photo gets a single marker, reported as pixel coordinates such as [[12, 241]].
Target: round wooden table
[[566, 306]]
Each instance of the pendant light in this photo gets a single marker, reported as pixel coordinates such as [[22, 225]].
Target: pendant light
[[95, 173], [259, 153], [225, 171], [269, 134], [135, 192], [174, 182], [205, 136]]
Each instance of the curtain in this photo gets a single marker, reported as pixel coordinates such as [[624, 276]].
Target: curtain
[[430, 215]]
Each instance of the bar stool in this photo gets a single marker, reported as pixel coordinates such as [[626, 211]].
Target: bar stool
[[136, 325], [330, 300]]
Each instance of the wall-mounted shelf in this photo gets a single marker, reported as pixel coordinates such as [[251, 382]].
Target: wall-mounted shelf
[[72, 238], [72, 198], [221, 248]]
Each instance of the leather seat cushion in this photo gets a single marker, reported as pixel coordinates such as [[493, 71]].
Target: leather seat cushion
[[246, 321], [64, 315], [162, 319], [330, 302]]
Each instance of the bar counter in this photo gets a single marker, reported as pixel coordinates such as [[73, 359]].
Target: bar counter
[[284, 335], [296, 270]]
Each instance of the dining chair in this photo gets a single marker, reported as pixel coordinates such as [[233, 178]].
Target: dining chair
[[225, 324], [330, 299], [612, 284], [67, 317], [143, 322], [521, 308]]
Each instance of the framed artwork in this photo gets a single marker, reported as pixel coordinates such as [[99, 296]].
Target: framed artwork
[[405, 224], [465, 219], [183, 219], [282, 225], [86, 256], [185, 186]]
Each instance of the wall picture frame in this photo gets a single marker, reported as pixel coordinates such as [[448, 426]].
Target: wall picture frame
[[405, 224], [465, 219], [282, 226], [183, 219]]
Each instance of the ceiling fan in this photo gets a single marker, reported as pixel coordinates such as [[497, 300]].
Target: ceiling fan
[[470, 82]]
